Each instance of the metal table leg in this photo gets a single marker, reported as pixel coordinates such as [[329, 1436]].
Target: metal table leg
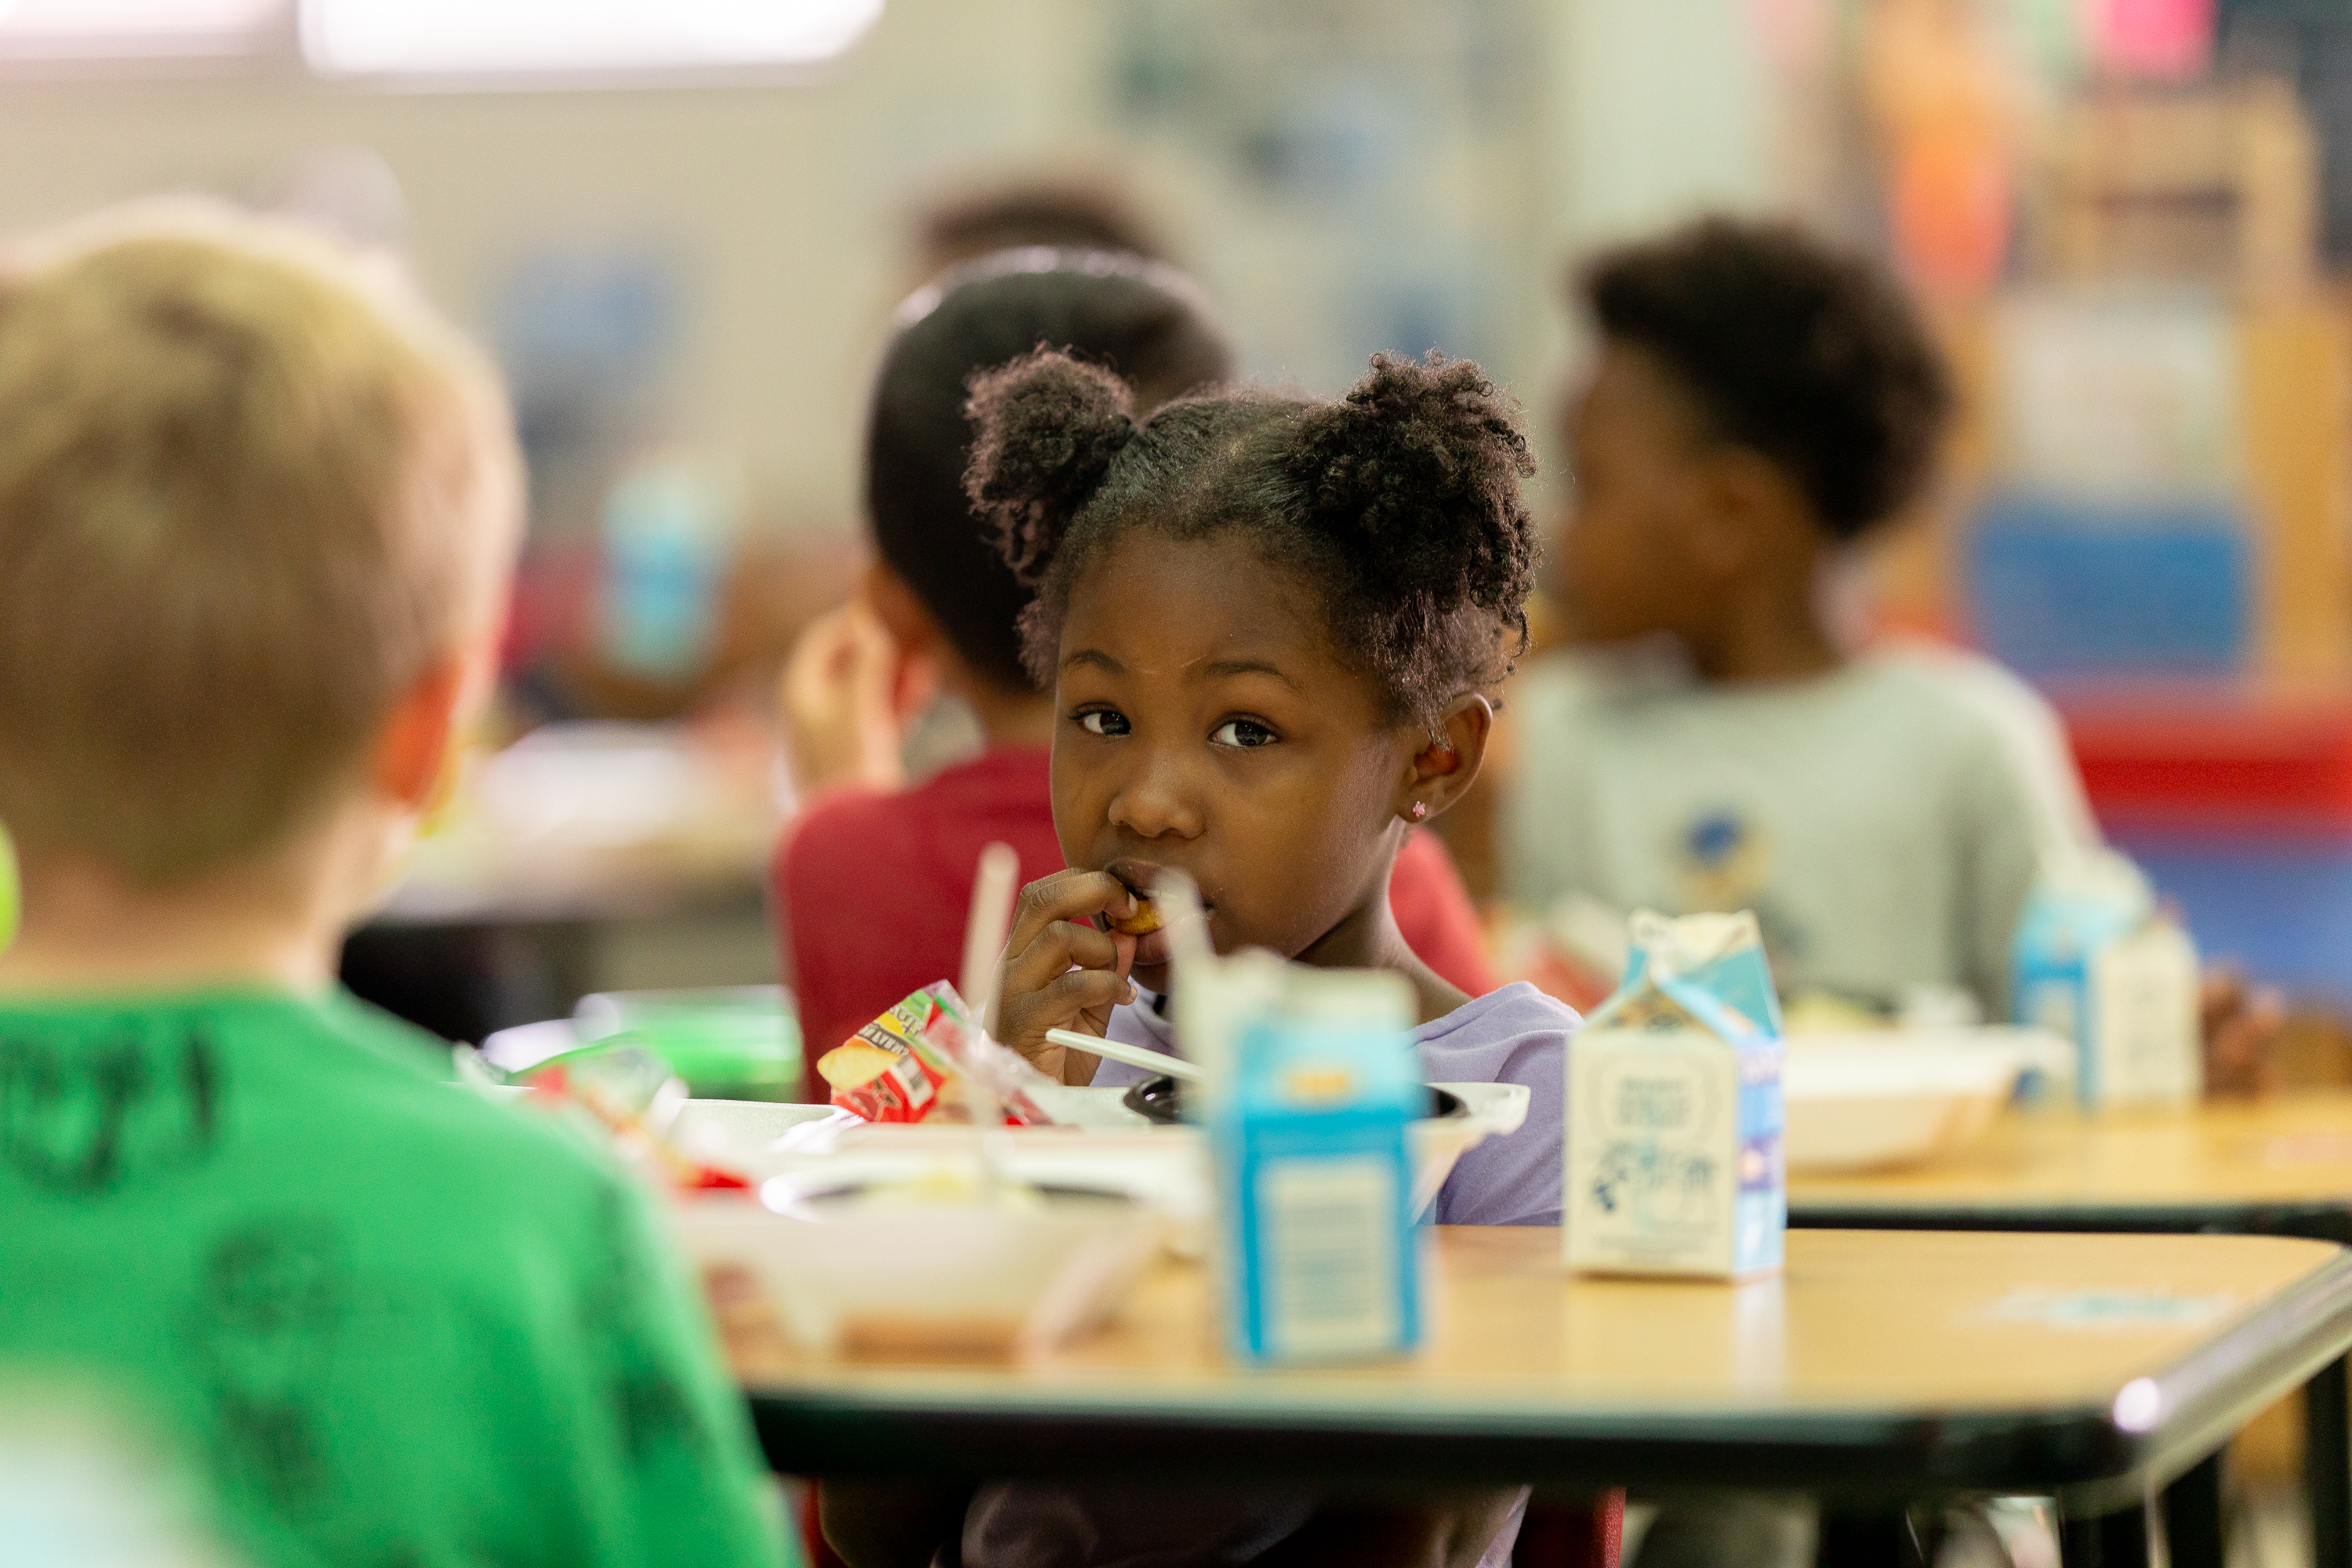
[[2192, 1516], [2328, 1465], [2118, 1540], [1854, 1540]]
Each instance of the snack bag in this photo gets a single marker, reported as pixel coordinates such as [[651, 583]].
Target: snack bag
[[633, 1097], [891, 1070], [997, 1079], [924, 1060]]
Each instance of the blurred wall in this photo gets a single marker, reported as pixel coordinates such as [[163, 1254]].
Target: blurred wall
[[1662, 107], [782, 207]]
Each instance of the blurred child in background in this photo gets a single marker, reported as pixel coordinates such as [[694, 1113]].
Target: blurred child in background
[[1758, 404], [1026, 212], [1761, 404], [873, 881], [257, 508]]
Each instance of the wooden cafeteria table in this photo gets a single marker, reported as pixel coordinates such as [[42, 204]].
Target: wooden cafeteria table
[[1881, 1367], [2279, 1166]]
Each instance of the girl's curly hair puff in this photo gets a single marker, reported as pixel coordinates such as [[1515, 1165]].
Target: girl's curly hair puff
[[1400, 501]]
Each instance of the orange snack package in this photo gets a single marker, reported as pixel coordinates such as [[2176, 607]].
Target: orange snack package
[[924, 1059], [891, 1070]]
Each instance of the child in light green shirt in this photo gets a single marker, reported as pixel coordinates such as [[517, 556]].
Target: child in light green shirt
[[256, 512], [1760, 402]]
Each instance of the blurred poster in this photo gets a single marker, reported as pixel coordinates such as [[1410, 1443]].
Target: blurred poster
[[1386, 144], [2119, 395]]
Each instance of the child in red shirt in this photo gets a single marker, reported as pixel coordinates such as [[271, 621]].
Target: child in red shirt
[[872, 882]]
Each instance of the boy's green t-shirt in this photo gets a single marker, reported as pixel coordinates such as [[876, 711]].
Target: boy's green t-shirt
[[397, 1326]]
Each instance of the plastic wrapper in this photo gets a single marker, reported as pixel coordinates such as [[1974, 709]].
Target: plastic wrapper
[[924, 1061], [631, 1094], [892, 1069]]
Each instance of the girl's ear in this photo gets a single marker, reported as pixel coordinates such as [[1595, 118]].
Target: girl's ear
[[1443, 769]]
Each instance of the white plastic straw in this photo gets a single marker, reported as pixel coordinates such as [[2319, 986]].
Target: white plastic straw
[[1187, 926], [984, 929]]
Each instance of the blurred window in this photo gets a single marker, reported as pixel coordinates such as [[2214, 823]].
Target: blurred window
[[460, 39], [134, 29]]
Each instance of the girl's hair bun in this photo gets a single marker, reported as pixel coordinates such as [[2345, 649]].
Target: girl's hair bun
[[1046, 429], [1418, 468]]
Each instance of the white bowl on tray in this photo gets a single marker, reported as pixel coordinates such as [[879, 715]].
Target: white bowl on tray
[[1871, 1099], [1438, 1142], [724, 1130], [1113, 1149], [922, 1276]]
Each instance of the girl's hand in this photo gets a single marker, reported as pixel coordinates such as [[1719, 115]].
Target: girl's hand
[[1062, 973]]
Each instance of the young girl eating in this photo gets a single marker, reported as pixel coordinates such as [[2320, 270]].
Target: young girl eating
[[1271, 627]]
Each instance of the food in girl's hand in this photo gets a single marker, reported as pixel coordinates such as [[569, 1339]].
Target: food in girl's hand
[[1142, 922]]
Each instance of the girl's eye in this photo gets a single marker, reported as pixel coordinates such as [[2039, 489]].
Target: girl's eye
[[1103, 722], [1246, 733]]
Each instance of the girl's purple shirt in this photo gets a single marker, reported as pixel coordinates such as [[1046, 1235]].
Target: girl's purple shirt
[[1517, 1035]]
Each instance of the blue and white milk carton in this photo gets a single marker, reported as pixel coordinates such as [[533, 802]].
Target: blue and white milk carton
[[1675, 1114], [1320, 1258], [2100, 963]]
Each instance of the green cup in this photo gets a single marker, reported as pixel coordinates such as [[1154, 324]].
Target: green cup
[[730, 1043]]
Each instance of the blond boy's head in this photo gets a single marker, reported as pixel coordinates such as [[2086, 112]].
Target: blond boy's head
[[252, 491]]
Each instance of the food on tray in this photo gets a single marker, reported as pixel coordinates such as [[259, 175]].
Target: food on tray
[[946, 1184], [1142, 922], [1814, 1011], [853, 1064]]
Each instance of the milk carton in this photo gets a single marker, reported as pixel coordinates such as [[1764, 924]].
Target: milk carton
[[1675, 1115], [2098, 962], [1319, 1256]]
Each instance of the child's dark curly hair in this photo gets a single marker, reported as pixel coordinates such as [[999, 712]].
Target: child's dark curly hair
[[1402, 500], [1810, 355]]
